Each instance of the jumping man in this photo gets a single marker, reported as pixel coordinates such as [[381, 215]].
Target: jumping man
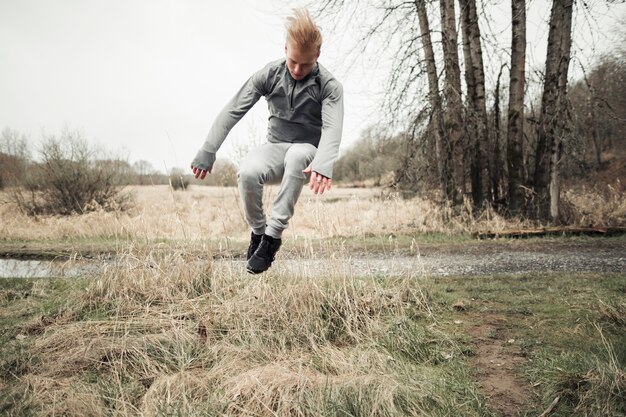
[[305, 105]]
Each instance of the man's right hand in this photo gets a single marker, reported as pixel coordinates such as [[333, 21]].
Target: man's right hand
[[318, 182], [202, 163]]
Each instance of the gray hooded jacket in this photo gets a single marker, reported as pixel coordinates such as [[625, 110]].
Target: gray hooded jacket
[[305, 111]]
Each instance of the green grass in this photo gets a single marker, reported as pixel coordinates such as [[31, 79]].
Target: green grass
[[571, 327], [26, 305]]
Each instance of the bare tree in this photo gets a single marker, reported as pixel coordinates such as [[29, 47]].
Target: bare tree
[[461, 140], [143, 168], [499, 168], [481, 151], [453, 109], [13, 143], [598, 104], [14, 156], [406, 24], [143, 171], [515, 124], [553, 110], [436, 127], [71, 179]]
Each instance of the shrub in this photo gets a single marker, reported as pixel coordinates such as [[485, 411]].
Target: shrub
[[224, 174], [178, 181], [11, 169], [70, 180], [13, 157], [374, 157]]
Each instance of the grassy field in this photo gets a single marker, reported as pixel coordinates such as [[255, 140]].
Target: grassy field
[[173, 334], [212, 214]]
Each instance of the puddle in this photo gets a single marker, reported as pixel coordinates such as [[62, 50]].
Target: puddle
[[19, 268]]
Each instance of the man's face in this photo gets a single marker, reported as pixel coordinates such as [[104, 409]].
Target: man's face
[[300, 62]]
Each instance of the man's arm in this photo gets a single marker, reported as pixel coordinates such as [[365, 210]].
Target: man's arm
[[236, 108], [332, 125]]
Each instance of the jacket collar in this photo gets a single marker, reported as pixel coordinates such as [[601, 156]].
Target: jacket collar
[[314, 73]]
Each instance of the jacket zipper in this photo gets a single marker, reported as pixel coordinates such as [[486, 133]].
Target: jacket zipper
[[293, 89]]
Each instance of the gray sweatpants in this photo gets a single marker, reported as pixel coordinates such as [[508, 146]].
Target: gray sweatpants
[[270, 163]]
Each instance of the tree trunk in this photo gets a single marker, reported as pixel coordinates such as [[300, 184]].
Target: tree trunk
[[483, 154], [557, 148], [452, 115], [553, 110], [515, 129], [593, 119], [470, 126], [499, 165], [441, 147]]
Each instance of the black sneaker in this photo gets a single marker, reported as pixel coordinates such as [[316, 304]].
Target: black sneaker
[[254, 243], [263, 257]]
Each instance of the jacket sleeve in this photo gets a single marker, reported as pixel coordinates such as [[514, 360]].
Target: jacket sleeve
[[332, 125], [236, 108]]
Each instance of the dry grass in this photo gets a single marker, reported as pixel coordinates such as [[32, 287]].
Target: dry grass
[[162, 332], [203, 213], [214, 213], [167, 336], [603, 205]]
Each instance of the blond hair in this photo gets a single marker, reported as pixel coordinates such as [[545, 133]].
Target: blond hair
[[302, 31]]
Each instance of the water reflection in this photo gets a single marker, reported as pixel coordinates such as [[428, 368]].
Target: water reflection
[[18, 268]]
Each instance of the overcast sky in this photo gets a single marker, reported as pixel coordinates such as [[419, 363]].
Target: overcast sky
[[145, 78]]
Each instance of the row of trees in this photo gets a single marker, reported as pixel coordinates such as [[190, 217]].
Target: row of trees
[[596, 135], [16, 159], [513, 158], [71, 175]]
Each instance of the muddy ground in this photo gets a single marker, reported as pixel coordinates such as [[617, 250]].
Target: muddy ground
[[470, 258]]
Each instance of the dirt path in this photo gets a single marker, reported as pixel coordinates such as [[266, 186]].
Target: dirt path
[[470, 259], [496, 365]]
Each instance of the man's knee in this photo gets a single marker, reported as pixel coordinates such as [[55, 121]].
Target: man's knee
[[249, 176], [298, 158]]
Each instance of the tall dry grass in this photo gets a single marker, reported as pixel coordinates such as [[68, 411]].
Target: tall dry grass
[[599, 205], [214, 213], [170, 336]]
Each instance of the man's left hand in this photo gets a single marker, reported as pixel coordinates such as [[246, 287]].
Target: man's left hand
[[318, 183]]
